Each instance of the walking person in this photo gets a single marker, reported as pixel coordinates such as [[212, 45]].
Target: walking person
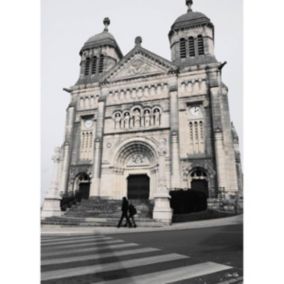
[[132, 211], [124, 214]]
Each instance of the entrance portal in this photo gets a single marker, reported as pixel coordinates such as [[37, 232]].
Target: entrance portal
[[84, 186], [138, 187]]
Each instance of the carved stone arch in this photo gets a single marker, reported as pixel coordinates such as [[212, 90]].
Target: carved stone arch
[[157, 107], [147, 109], [136, 107], [81, 183], [114, 114], [132, 146]]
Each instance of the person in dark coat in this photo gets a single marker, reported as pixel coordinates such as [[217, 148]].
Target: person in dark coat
[[124, 214], [132, 211]]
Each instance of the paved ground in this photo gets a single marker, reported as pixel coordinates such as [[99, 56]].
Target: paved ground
[[212, 254], [65, 230]]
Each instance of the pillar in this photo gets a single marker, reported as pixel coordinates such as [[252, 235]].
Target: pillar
[[67, 148], [174, 139], [96, 175], [162, 211], [51, 205]]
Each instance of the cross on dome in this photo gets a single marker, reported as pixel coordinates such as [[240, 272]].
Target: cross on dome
[[106, 23], [189, 3]]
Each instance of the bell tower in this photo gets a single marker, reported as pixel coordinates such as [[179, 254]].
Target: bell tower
[[98, 55], [192, 38]]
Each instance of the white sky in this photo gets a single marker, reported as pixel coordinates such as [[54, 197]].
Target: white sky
[[67, 24]]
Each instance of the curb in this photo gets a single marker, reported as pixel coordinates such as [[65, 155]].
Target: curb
[[64, 230]]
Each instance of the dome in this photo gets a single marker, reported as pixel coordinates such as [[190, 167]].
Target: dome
[[102, 39], [190, 19]]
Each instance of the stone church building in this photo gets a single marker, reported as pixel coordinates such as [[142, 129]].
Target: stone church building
[[139, 124]]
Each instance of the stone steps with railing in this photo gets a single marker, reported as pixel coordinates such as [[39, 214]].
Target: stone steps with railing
[[103, 212]]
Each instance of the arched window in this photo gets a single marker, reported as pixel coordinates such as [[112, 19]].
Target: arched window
[[126, 123], [191, 46], [196, 130], [157, 117], [101, 64], [191, 131], [201, 130], [117, 120], [94, 65], [200, 43], [182, 48], [87, 66]]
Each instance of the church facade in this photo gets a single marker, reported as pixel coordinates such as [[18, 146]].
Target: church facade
[[139, 123]]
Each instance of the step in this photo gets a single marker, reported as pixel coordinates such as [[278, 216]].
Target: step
[[110, 222]]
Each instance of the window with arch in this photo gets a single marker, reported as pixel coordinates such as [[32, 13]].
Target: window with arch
[[136, 117], [101, 63], [182, 48], [196, 137], [191, 46], [86, 139], [157, 117], [94, 65], [200, 43], [147, 117], [126, 120], [87, 66], [117, 120], [86, 145]]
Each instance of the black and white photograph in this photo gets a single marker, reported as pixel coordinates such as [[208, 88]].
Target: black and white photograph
[[141, 142]]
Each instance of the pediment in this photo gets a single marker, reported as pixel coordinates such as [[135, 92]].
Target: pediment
[[139, 63]]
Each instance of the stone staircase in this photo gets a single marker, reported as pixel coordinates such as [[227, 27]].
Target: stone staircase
[[103, 212]]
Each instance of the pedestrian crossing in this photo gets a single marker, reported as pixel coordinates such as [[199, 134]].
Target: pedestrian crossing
[[102, 259]]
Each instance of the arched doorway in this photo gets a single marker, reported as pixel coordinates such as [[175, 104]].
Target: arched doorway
[[84, 186], [135, 167], [138, 187], [199, 189]]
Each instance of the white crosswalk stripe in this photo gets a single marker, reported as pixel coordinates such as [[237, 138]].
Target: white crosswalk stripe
[[116, 244], [67, 239], [81, 244], [60, 252], [172, 275], [97, 256], [75, 241], [92, 269]]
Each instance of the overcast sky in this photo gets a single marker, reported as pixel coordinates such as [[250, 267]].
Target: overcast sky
[[67, 24]]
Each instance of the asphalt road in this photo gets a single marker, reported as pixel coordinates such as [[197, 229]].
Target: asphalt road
[[208, 255], [217, 244]]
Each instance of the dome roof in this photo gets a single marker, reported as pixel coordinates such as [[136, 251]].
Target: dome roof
[[190, 19], [102, 39]]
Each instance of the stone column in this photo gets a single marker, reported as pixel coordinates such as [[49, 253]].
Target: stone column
[[66, 148], [96, 175], [51, 205], [174, 139], [220, 158], [224, 148], [162, 211]]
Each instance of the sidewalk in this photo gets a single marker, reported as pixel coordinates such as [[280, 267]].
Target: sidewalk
[[65, 230]]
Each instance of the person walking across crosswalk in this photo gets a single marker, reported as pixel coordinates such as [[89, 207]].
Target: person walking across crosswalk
[[124, 213]]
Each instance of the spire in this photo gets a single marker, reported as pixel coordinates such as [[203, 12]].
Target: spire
[[189, 4], [106, 23]]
